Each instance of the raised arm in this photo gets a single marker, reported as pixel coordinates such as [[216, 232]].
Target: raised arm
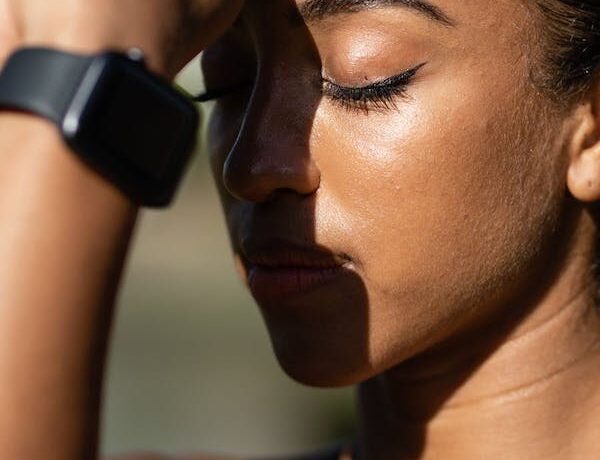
[[65, 230]]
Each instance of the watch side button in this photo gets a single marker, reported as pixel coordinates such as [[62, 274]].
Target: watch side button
[[136, 55]]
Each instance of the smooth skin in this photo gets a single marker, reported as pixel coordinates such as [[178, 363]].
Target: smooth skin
[[462, 214]]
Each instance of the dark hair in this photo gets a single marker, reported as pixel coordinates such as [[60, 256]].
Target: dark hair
[[571, 47]]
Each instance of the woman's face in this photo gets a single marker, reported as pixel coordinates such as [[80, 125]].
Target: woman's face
[[389, 174]]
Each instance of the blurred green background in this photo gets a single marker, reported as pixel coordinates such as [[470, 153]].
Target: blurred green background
[[190, 367]]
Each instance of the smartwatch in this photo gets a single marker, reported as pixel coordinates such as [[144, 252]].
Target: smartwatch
[[128, 124]]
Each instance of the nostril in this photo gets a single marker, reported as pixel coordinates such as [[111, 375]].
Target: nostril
[[235, 181]]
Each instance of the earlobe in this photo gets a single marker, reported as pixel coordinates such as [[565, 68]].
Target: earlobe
[[583, 176]]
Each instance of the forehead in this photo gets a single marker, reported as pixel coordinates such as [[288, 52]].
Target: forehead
[[479, 23], [458, 11], [314, 10]]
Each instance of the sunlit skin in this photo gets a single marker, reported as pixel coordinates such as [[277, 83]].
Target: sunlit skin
[[455, 212], [410, 212]]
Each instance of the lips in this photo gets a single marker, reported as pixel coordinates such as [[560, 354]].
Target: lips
[[281, 269]]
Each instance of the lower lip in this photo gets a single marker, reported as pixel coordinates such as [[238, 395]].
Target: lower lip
[[281, 283]]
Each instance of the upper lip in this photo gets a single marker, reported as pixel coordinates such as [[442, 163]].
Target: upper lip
[[278, 253]]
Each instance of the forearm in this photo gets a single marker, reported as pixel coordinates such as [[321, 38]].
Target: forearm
[[64, 231], [63, 237]]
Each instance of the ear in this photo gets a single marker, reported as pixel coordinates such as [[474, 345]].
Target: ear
[[583, 176]]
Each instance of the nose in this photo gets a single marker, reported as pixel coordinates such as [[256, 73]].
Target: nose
[[272, 151]]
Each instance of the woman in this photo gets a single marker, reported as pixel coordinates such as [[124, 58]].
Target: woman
[[410, 190]]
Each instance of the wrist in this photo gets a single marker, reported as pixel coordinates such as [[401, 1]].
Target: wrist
[[37, 166], [128, 125]]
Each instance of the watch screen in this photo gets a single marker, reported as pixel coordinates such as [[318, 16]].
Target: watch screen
[[140, 127]]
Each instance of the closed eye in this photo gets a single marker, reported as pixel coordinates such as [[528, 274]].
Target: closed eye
[[380, 96]]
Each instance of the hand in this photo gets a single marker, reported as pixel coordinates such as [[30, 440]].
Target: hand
[[170, 32]]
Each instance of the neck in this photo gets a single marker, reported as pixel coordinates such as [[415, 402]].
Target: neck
[[525, 390]]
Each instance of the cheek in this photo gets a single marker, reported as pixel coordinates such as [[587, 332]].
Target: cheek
[[444, 200]]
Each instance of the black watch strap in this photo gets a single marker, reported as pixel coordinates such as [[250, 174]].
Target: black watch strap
[[127, 123], [47, 88]]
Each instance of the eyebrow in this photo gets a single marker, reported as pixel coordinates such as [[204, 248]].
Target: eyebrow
[[316, 10]]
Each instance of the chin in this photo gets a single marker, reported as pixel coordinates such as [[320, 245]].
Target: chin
[[333, 337], [319, 371], [321, 353], [321, 338]]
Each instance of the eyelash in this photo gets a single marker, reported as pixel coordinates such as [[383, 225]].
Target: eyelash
[[379, 96]]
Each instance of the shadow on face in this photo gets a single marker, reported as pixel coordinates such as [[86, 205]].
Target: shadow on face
[[261, 135]]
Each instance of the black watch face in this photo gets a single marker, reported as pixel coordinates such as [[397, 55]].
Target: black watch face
[[132, 122]]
